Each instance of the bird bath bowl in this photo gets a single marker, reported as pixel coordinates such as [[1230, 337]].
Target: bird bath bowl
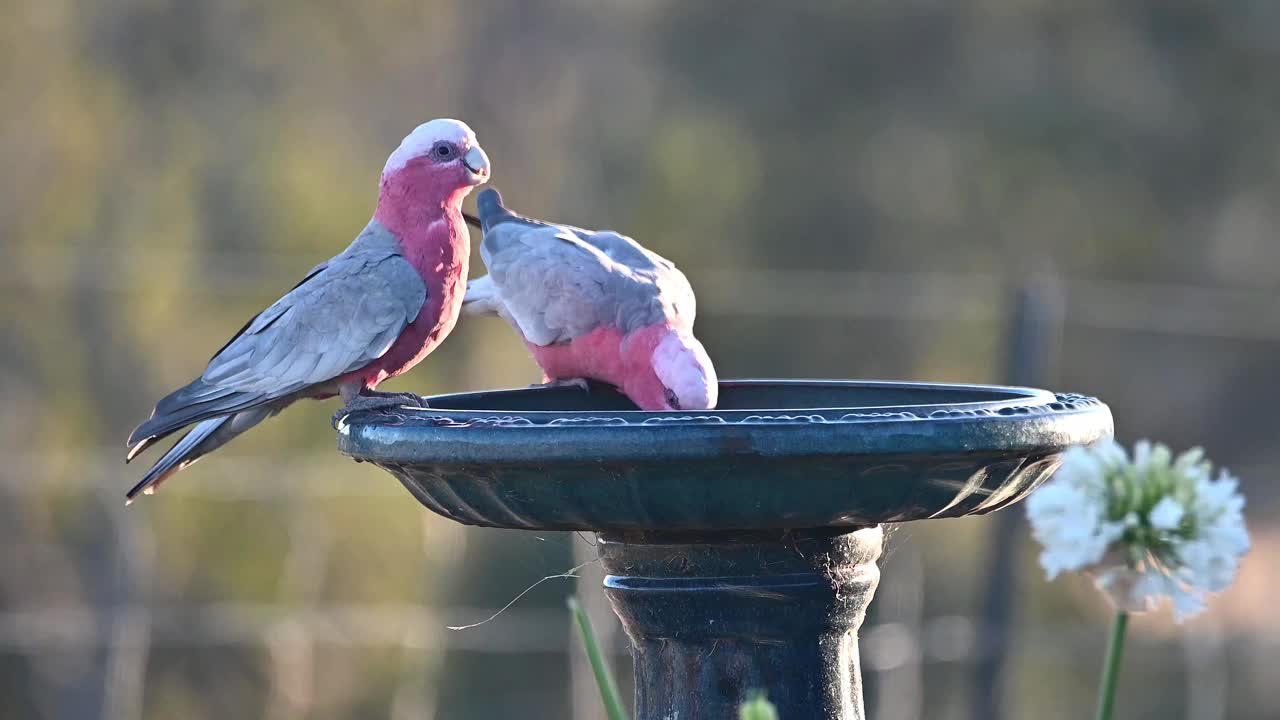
[[740, 544]]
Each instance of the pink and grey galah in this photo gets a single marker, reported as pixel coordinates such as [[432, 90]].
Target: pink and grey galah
[[369, 313], [593, 305]]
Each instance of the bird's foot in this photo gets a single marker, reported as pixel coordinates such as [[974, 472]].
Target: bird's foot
[[371, 401], [580, 383], [399, 398]]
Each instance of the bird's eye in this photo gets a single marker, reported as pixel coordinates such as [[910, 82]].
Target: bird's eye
[[672, 400], [443, 151]]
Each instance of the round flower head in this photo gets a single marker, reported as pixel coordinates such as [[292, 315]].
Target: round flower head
[[1146, 528]]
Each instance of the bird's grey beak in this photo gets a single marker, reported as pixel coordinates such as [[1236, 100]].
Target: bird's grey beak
[[477, 162]]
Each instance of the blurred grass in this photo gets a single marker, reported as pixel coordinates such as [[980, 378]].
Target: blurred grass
[[604, 678], [757, 707]]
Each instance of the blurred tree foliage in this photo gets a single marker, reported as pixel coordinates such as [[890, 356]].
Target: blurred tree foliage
[[854, 187]]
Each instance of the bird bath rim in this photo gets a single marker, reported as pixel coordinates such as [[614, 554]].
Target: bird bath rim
[[515, 402], [502, 427]]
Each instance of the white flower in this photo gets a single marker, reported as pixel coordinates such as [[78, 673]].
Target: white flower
[[1070, 523], [1213, 556], [1165, 515], [1148, 528]]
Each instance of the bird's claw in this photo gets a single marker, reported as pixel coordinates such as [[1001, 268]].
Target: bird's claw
[[580, 383], [376, 402]]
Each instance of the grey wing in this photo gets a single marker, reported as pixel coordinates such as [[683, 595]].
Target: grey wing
[[346, 314], [671, 289], [558, 282]]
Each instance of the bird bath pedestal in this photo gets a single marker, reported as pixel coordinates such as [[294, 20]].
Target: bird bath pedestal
[[740, 544]]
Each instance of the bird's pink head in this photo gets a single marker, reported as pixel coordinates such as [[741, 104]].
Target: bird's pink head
[[435, 166], [677, 372]]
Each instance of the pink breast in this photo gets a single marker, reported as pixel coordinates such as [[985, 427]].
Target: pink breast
[[596, 355], [439, 253], [423, 335]]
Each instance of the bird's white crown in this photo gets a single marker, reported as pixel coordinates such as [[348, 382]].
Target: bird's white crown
[[424, 137]]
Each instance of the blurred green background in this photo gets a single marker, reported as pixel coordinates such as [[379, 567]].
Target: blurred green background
[[855, 189]]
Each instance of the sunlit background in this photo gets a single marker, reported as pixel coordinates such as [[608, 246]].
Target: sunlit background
[[1080, 195]]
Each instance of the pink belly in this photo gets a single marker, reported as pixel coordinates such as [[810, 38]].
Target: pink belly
[[596, 355]]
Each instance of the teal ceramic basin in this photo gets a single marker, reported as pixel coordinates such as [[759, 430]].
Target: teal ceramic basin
[[776, 454]]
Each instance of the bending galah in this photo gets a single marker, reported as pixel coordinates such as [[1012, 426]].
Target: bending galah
[[370, 313], [593, 305]]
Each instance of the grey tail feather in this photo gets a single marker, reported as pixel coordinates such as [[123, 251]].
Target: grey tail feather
[[182, 454], [204, 438], [185, 406], [479, 299], [492, 211]]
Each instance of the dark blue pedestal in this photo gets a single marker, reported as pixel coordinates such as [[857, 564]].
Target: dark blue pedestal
[[713, 617]]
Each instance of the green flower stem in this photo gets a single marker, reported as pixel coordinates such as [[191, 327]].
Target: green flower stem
[[757, 708], [604, 679], [1111, 671]]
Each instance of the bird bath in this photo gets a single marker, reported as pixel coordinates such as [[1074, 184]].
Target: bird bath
[[740, 544]]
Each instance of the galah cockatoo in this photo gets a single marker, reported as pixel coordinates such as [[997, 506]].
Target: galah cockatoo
[[370, 313], [593, 305]]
